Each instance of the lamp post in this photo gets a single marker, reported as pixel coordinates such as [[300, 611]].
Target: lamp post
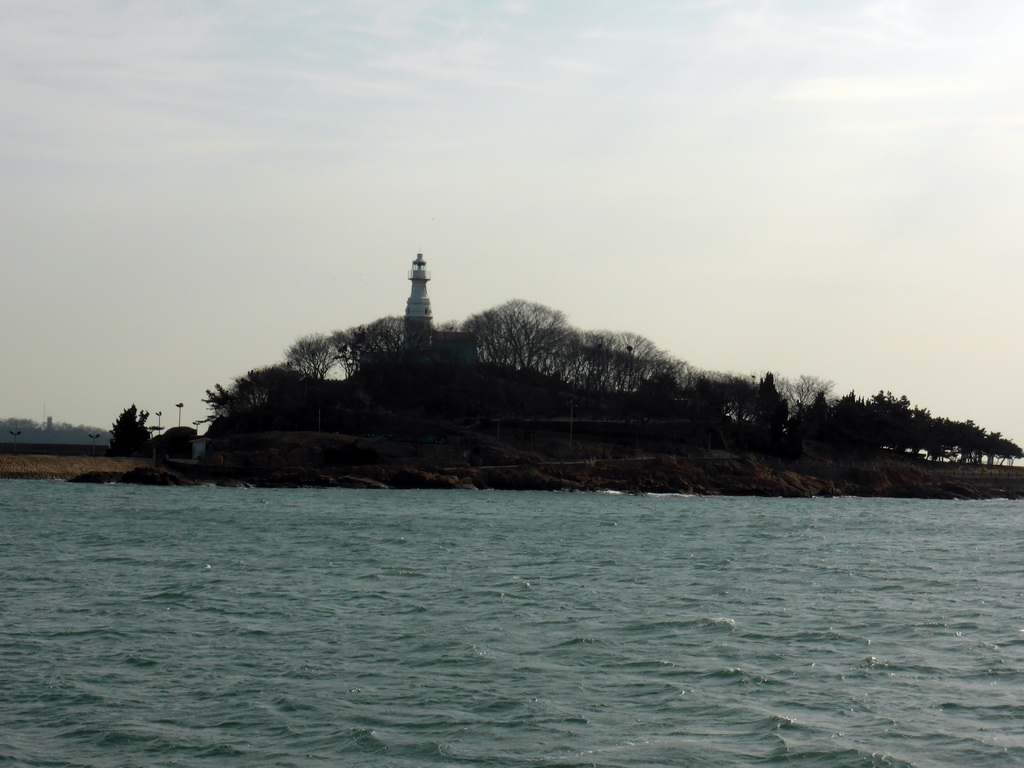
[[179, 406], [152, 433], [197, 422], [15, 438], [158, 415], [94, 441]]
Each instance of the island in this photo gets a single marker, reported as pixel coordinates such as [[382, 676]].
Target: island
[[515, 397]]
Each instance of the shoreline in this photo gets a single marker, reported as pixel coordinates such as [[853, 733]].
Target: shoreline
[[745, 476]]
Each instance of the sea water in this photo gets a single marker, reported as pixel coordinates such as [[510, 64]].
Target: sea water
[[243, 627]]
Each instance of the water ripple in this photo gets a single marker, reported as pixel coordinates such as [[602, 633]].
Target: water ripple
[[192, 627]]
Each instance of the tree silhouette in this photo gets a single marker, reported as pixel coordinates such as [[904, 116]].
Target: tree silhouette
[[129, 432], [313, 356]]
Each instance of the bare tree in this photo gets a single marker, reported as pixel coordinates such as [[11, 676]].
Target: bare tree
[[382, 341], [636, 360], [313, 356], [802, 391], [598, 363], [521, 335], [253, 391], [586, 363], [734, 393], [448, 326]]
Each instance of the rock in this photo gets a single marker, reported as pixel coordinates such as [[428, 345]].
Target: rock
[[350, 481], [97, 476], [297, 477], [412, 477], [152, 476], [527, 479]]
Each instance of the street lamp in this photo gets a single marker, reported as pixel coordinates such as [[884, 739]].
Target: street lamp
[[15, 438], [197, 422], [158, 415], [179, 406], [152, 434], [94, 441]]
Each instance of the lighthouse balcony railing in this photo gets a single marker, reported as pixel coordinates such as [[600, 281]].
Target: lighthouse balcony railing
[[419, 274]]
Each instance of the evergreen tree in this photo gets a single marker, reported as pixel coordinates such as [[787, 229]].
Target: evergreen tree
[[768, 399], [128, 433], [777, 426], [792, 443]]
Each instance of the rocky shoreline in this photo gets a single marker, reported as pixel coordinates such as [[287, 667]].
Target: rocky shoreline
[[745, 476], [742, 476]]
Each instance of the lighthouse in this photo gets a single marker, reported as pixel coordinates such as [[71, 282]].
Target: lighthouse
[[417, 308]]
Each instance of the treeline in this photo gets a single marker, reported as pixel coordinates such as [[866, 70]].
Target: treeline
[[885, 421], [535, 364], [30, 431]]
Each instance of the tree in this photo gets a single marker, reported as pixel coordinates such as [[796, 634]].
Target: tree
[[382, 341], [815, 424], [1000, 449], [768, 399], [731, 395], [259, 389], [847, 418], [803, 391], [129, 432], [777, 422], [313, 355], [586, 363], [521, 335], [637, 361]]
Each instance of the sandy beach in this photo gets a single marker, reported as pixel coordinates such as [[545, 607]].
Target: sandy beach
[[27, 467]]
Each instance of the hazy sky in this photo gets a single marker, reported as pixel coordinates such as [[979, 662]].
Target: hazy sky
[[823, 187]]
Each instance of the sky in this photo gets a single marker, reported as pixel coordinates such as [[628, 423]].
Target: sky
[[809, 187]]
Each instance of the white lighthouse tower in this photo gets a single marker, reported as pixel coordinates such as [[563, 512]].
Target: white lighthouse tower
[[417, 309]]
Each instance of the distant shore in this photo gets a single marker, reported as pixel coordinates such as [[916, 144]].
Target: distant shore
[[29, 467]]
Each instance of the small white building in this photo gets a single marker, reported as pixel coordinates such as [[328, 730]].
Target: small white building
[[199, 446]]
